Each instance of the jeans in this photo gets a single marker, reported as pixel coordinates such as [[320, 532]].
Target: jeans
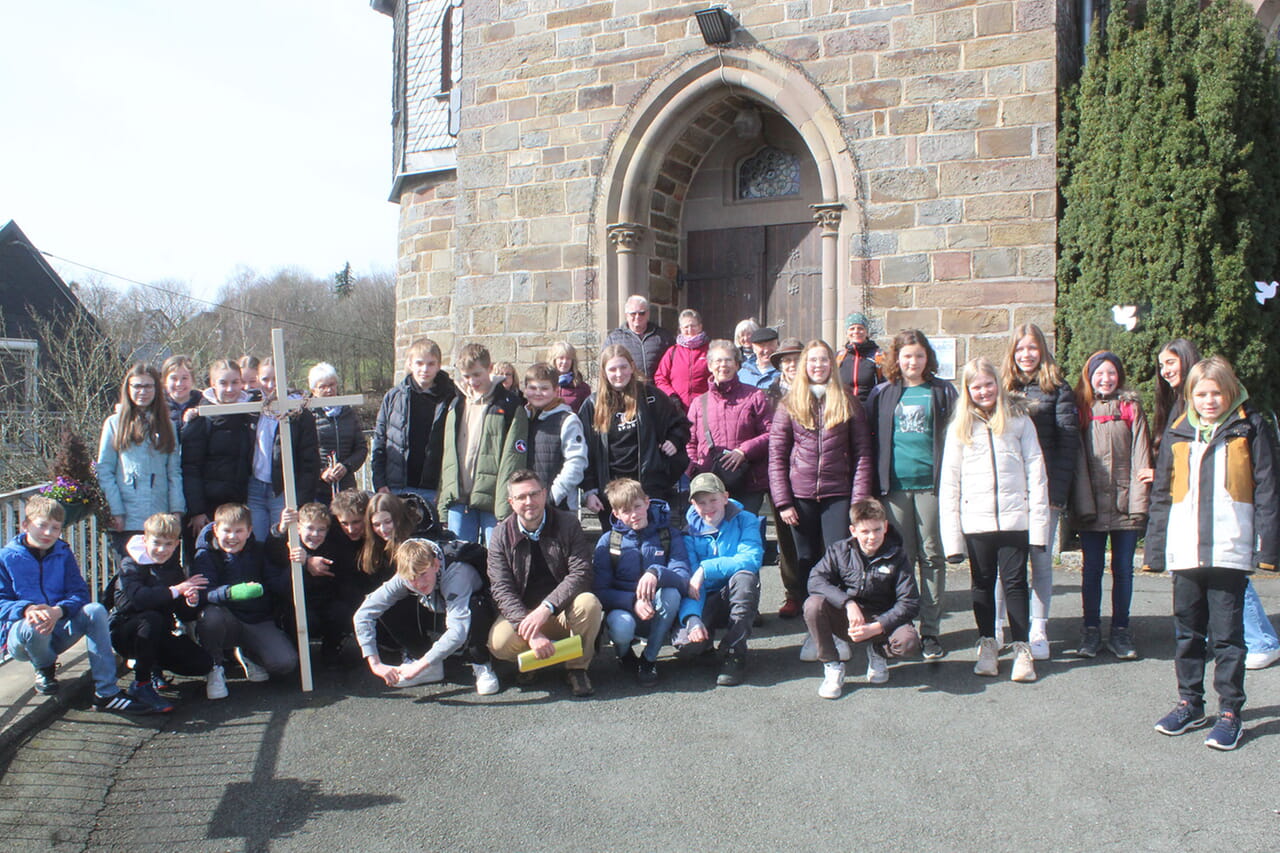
[[914, 514], [1209, 601], [42, 650], [265, 507], [1041, 583], [1259, 635], [622, 624], [1093, 545], [468, 523]]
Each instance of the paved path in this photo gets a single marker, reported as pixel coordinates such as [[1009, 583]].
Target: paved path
[[937, 759]]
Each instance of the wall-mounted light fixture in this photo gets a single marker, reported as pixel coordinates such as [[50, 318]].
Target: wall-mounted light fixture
[[716, 25]]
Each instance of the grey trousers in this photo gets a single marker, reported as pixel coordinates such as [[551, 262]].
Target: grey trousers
[[732, 607], [915, 516], [219, 631]]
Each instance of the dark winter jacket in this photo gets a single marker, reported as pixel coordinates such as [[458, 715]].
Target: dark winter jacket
[[660, 420], [640, 553], [860, 368], [1107, 492], [341, 436], [813, 464], [178, 409], [251, 564], [390, 456], [880, 405], [739, 417], [883, 585], [217, 461], [26, 579], [563, 545], [306, 457], [1058, 428], [647, 349], [143, 585]]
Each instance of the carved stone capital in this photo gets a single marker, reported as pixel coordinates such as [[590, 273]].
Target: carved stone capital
[[625, 237], [828, 216]]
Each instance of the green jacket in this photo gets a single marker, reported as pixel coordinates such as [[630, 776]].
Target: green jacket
[[503, 443]]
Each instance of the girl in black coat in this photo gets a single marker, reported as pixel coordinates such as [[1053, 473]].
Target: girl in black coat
[[217, 451]]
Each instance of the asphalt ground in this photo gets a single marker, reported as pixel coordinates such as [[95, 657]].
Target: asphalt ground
[[937, 759]]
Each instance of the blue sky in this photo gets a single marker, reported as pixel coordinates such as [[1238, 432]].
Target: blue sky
[[181, 140]]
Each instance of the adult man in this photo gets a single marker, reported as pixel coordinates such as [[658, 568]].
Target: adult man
[[761, 373], [540, 580], [645, 340]]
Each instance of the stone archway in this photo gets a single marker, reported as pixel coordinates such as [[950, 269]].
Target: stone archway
[[638, 205]]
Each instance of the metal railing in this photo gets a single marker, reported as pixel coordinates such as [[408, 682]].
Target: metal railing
[[91, 545]]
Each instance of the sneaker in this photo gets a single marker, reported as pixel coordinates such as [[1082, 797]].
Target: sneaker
[[1090, 642], [1261, 660], [877, 666], [832, 680], [487, 682], [1225, 733], [120, 703], [844, 650], [252, 671], [988, 657], [215, 684], [1039, 647], [1182, 718], [433, 674], [790, 609], [47, 680], [732, 670], [647, 672], [1024, 669], [143, 692], [931, 649], [809, 649], [160, 682], [1121, 644], [579, 683]]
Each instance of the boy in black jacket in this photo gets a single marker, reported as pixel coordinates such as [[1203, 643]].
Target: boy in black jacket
[[863, 588], [150, 591]]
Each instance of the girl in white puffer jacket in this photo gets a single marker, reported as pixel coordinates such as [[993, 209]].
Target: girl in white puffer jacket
[[994, 503]]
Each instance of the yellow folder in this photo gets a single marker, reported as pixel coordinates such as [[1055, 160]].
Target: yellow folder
[[566, 649]]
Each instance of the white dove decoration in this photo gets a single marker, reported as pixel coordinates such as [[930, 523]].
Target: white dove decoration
[[1125, 315], [1266, 290]]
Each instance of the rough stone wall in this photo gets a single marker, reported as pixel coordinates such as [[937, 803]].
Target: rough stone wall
[[950, 106], [424, 272]]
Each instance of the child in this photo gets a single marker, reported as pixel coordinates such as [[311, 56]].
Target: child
[[557, 448], [151, 592], [641, 573], [864, 588], [408, 440], [449, 585], [1213, 521], [1109, 497], [504, 373], [574, 390], [327, 577], [725, 553], [45, 608], [994, 503], [243, 583], [180, 395], [485, 434], [908, 414], [266, 483], [249, 366], [387, 523], [217, 450]]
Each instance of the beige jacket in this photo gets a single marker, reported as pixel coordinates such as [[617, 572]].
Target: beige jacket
[[1115, 446]]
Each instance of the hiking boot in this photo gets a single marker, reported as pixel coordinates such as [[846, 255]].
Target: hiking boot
[[1024, 669], [877, 666], [579, 683], [732, 670], [790, 609], [1225, 733], [215, 686], [988, 657], [931, 649], [146, 694], [1183, 718], [487, 682], [647, 672], [1090, 641], [1121, 644], [120, 703], [832, 680], [47, 680]]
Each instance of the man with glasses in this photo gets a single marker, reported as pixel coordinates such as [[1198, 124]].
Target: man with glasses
[[540, 579], [645, 340]]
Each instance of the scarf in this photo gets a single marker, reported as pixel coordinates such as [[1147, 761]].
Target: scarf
[[692, 342], [566, 380]]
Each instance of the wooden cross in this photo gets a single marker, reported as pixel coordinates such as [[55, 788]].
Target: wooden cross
[[281, 408]]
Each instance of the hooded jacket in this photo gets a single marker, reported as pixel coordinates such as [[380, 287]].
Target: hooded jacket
[[217, 459], [389, 460], [641, 553], [145, 585], [26, 579], [883, 585], [739, 418], [734, 546], [558, 452], [1106, 493], [813, 464], [682, 373], [883, 400], [455, 585], [139, 481]]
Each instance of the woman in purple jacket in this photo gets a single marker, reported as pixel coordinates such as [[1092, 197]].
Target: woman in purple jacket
[[819, 462]]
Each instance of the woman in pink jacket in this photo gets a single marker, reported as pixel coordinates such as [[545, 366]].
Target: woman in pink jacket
[[681, 374]]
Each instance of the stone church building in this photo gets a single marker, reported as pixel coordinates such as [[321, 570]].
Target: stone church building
[[790, 161]]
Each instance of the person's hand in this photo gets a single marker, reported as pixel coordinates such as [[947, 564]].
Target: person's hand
[[695, 585], [790, 517], [542, 647], [288, 516], [117, 523], [531, 625], [644, 609], [594, 503], [1146, 475], [866, 631], [667, 448], [732, 459], [389, 674], [854, 613], [647, 588], [698, 634], [245, 591], [190, 415], [190, 586], [317, 567], [42, 617], [192, 597], [198, 522]]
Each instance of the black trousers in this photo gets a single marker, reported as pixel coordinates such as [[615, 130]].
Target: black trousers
[[1210, 602], [416, 629], [148, 638], [1000, 558], [822, 523]]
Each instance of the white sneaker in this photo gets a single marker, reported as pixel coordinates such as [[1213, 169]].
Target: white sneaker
[[215, 684], [809, 650], [877, 666], [844, 650], [486, 680], [1039, 647], [1261, 660], [988, 657], [431, 675], [1023, 668], [252, 671], [832, 680]]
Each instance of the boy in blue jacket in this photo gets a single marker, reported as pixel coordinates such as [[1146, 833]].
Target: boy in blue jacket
[[45, 608], [240, 600], [725, 550], [641, 572]]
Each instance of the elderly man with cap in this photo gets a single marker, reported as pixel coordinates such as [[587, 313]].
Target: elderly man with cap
[[725, 553], [860, 360], [762, 373], [644, 339]]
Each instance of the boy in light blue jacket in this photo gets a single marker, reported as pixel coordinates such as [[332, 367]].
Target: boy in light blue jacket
[[726, 553]]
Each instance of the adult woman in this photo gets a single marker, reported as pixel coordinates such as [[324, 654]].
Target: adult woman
[[742, 338], [574, 390], [730, 428], [139, 467], [819, 462], [682, 370], [342, 445], [860, 359], [633, 430], [180, 394], [993, 501]]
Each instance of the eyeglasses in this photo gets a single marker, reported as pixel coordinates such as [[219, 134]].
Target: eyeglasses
[[526, 496], [637, 313]]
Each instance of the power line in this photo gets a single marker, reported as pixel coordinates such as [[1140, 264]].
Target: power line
[[217, 305]]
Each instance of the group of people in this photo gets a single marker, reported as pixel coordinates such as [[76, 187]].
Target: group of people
[[877, 472]]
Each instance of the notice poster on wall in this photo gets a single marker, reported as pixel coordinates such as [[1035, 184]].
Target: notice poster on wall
[[945, 349]]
